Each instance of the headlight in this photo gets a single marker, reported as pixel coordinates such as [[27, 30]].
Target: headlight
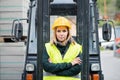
[[29, 67], [95, 67]]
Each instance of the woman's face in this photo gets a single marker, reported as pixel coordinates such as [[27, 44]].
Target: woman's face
[[61, 33]]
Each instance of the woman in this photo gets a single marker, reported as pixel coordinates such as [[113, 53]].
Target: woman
[[61, 57]]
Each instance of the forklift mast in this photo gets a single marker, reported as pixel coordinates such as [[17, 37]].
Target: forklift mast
[[86, 34]]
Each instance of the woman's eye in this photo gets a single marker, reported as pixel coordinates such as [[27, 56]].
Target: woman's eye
[[64, 31], [58, 31]]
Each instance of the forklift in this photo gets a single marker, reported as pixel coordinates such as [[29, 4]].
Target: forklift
[[87, 20]]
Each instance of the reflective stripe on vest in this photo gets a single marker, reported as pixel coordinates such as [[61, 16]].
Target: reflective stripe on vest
[[50, 74], [56, 57]]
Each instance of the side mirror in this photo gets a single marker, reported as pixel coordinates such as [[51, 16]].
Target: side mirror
[[51, 0], [18, 31], [32, 0], [75, 0], [106, 31]]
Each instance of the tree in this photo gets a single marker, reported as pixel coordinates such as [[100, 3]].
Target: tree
[[118, 5]]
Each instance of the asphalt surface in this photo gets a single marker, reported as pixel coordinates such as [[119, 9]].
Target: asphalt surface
[[110, 65]]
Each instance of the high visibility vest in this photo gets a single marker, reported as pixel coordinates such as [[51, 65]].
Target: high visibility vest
[[56, 57]]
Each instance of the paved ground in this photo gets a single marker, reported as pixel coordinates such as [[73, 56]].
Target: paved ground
[[110, 65]]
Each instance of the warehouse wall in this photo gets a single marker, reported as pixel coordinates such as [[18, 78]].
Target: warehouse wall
[[10, 10], [12, 58], [12, 55]]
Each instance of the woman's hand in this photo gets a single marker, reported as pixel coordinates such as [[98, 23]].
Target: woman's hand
[[49, 60], [77, 60]]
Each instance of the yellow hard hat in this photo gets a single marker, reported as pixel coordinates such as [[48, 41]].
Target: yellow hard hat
[[61, 21]]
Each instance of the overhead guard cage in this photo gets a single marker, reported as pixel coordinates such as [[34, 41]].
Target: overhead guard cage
[[79, 8]]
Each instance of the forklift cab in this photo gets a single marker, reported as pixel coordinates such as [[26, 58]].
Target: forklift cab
[[85, 15]]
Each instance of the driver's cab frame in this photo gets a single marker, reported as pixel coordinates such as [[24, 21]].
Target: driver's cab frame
[[86, 34]]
